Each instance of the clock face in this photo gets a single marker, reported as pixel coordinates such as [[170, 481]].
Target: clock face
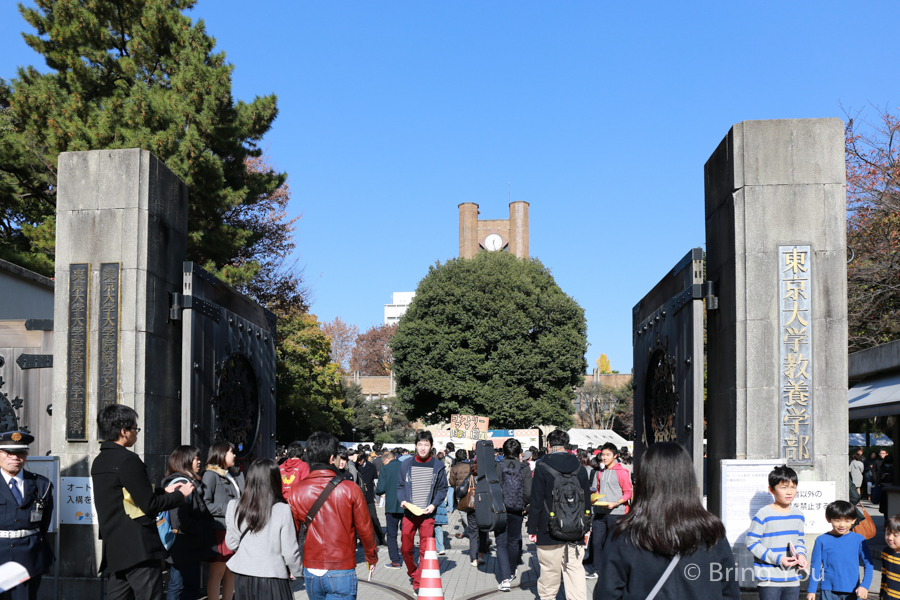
[[493, 242]]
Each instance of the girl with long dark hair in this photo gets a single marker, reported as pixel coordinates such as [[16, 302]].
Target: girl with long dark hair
[[262, 535], [667, 526], [193, 526]]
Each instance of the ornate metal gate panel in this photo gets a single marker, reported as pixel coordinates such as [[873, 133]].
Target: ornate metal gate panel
[[228, 367], [667, 338]]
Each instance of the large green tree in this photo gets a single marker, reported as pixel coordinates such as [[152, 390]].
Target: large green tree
[[135, 74], [308, 393], [494, 336]]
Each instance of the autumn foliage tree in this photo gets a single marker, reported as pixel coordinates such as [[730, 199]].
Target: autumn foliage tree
[[873, 224], [372, 355], [343, 339]]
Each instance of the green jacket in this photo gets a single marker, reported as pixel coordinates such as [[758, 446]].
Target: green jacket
[[388, 479]]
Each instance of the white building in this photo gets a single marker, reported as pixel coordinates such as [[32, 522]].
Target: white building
[[400, 301]]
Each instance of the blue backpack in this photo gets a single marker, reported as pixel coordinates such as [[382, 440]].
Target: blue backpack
[[164, 527], [164, 523]]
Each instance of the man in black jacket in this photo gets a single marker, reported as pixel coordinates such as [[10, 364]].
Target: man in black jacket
[[367, 475], [557, 557], [127, 507]]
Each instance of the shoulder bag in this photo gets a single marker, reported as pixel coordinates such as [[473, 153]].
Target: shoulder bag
[[467, 502], [665, 576], [320, 501], [866, 527]]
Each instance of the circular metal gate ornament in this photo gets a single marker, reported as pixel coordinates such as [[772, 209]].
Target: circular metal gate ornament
[[662, 399], [9, 421], [237, 404]]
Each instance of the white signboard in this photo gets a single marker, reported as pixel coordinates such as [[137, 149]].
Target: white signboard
[[48, 466], [76, 501], [745, 490], [812, 498]]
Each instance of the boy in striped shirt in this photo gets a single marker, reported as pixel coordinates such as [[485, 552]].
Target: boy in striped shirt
[[890, 559], [772, 530]]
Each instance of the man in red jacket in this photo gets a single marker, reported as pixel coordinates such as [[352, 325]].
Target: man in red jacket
[[293, 469], [329, 554]]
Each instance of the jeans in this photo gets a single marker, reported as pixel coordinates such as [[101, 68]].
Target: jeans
[[332, 585], [830, 595], [393, 524], [439, 537], [599, 528], [508, 545], [184, 582], [779, 593]]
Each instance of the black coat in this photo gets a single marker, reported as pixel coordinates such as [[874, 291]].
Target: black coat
[[629, 573], [32, 552], [367, 475], [194, 538], [542, 493], [127, 541]]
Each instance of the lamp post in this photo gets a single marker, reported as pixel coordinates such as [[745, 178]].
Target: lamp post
[[354, 435]]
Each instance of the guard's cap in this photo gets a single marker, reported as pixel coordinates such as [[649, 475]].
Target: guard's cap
[[15, 440]]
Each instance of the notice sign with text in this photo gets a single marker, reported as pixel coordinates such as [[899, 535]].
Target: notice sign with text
[[745, 490], [468, 427], [76, 501]]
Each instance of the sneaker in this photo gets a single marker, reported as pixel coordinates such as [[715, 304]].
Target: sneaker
[[475, 563], [504, 585], [442, 553], [393, 565], [590, 575]]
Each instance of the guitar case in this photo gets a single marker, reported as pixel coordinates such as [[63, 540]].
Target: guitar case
[[490, 512]]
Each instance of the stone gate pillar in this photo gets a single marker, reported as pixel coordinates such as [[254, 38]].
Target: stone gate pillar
[[121, 238], [777, 345]]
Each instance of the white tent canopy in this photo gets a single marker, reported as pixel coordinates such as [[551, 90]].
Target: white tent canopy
[[596, 438], [875, 439]]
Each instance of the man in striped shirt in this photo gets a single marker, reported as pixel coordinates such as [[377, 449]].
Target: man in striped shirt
[[772, 530], [422, 486]]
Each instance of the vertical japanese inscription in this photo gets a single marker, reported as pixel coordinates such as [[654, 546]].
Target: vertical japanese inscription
[[795, 272], [108, 336], [77, 352]]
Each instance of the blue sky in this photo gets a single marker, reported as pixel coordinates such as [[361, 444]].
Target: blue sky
[[600, 115]]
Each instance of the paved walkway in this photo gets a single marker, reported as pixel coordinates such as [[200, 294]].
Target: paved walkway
[[461, 581]]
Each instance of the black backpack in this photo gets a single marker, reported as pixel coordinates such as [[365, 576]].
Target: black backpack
[[513, 486], [567, 516]]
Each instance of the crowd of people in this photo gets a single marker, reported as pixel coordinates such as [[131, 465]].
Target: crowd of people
[[256, 528]]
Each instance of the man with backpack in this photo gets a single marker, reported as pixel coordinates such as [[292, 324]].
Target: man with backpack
[[515, 481], [559, 519]]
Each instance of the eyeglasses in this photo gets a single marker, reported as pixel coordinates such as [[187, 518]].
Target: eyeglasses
[[135, 429]]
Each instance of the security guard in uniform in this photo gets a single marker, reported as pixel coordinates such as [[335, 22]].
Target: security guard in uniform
[[26, 504]]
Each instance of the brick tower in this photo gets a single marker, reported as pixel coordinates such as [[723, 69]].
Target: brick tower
[[493, 234]]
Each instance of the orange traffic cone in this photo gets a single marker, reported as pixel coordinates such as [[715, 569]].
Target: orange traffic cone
[[430, 581]]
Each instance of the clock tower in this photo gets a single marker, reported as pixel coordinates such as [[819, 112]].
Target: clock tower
[[493, 235]]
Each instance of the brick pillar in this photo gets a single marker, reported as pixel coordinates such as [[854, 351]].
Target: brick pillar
[[468, 230], [518, 229]]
